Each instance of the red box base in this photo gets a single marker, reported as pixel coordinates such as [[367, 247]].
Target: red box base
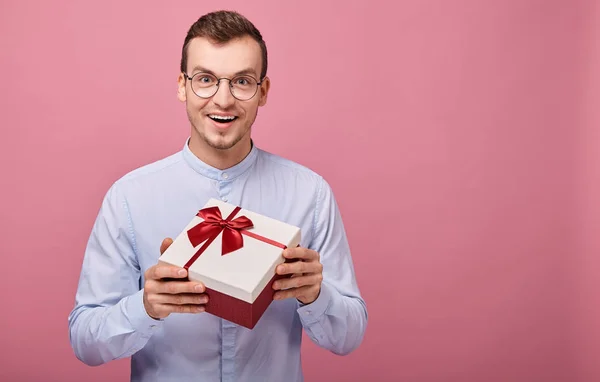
[[238, 311]]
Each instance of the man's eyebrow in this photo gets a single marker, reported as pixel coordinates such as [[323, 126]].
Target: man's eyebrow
[[248, 71], [199, 68]]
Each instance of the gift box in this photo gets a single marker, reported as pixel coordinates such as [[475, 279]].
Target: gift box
[[234, 253]]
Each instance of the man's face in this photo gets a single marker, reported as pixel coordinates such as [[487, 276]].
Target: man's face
[[212, 126]]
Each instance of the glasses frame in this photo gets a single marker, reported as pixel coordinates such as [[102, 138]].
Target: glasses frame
[[258, 83]]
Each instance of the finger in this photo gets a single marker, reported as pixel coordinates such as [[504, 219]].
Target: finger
[[178, 287], [166, 271], [293, 293], [189, 308], [300, 253], [166, 243], [299, 267], [297, 282], [178, 299]]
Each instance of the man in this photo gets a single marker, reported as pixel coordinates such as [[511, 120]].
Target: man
[[128, 306]]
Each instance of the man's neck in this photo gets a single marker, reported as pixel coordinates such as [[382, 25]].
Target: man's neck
[[220, 159]]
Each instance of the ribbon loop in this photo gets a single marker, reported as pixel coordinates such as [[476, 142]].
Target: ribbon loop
[[214, 224]]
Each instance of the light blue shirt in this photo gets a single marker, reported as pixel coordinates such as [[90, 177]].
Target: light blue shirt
[[156, 201]]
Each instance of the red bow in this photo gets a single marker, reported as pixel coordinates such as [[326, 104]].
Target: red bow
[[214, 223]]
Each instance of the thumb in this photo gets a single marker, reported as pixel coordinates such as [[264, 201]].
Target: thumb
[[165, 244]]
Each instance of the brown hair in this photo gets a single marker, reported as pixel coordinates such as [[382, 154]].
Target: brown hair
[[221, 27]]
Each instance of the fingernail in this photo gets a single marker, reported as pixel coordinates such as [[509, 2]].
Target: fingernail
[[200, 309], [275, 285], [181, 272], [198, 288], [280, 269]]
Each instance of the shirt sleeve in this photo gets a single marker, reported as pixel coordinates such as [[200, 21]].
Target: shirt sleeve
[[337, 319], [109, 320]]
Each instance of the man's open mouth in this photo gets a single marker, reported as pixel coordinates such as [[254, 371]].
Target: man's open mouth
[[222, 118]]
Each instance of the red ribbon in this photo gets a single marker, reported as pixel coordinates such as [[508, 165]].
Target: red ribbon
[[213, 224]]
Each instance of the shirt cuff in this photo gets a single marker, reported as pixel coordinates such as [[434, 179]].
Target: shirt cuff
[[311, 313], [136, 313]]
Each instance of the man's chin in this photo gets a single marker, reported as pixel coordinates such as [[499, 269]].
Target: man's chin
[[222, 144], [218, 140]]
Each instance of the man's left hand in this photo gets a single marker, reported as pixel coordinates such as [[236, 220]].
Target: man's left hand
[[306, 276]]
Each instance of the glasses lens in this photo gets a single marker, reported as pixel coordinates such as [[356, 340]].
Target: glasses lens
[[243, 87], [204, 85]]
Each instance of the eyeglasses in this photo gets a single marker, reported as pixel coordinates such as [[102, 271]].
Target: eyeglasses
[[205, 85]]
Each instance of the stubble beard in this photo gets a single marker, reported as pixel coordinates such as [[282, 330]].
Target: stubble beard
[[219, 144]]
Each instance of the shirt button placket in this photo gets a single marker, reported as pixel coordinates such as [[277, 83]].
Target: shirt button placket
[[228, 353], [224, 187], [228, 329]]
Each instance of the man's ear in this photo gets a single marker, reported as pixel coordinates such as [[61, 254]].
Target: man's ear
[[181, 94], [264, 91]]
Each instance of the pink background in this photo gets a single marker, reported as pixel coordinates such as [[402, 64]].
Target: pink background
[[461, 139]]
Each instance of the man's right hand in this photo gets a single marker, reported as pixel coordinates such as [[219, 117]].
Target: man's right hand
[[166, 290]]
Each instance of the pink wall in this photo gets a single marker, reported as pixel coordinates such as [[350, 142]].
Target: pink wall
[[465, 160], [584, 258]]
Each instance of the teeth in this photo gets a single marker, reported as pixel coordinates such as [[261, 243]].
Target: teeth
[[222, 118]]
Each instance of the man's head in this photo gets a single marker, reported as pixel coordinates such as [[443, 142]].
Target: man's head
[[223, 48]]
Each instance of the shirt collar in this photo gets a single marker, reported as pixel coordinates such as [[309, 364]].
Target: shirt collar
[[214, 173]]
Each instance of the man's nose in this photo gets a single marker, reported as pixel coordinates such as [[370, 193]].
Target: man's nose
[[223, 97]]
